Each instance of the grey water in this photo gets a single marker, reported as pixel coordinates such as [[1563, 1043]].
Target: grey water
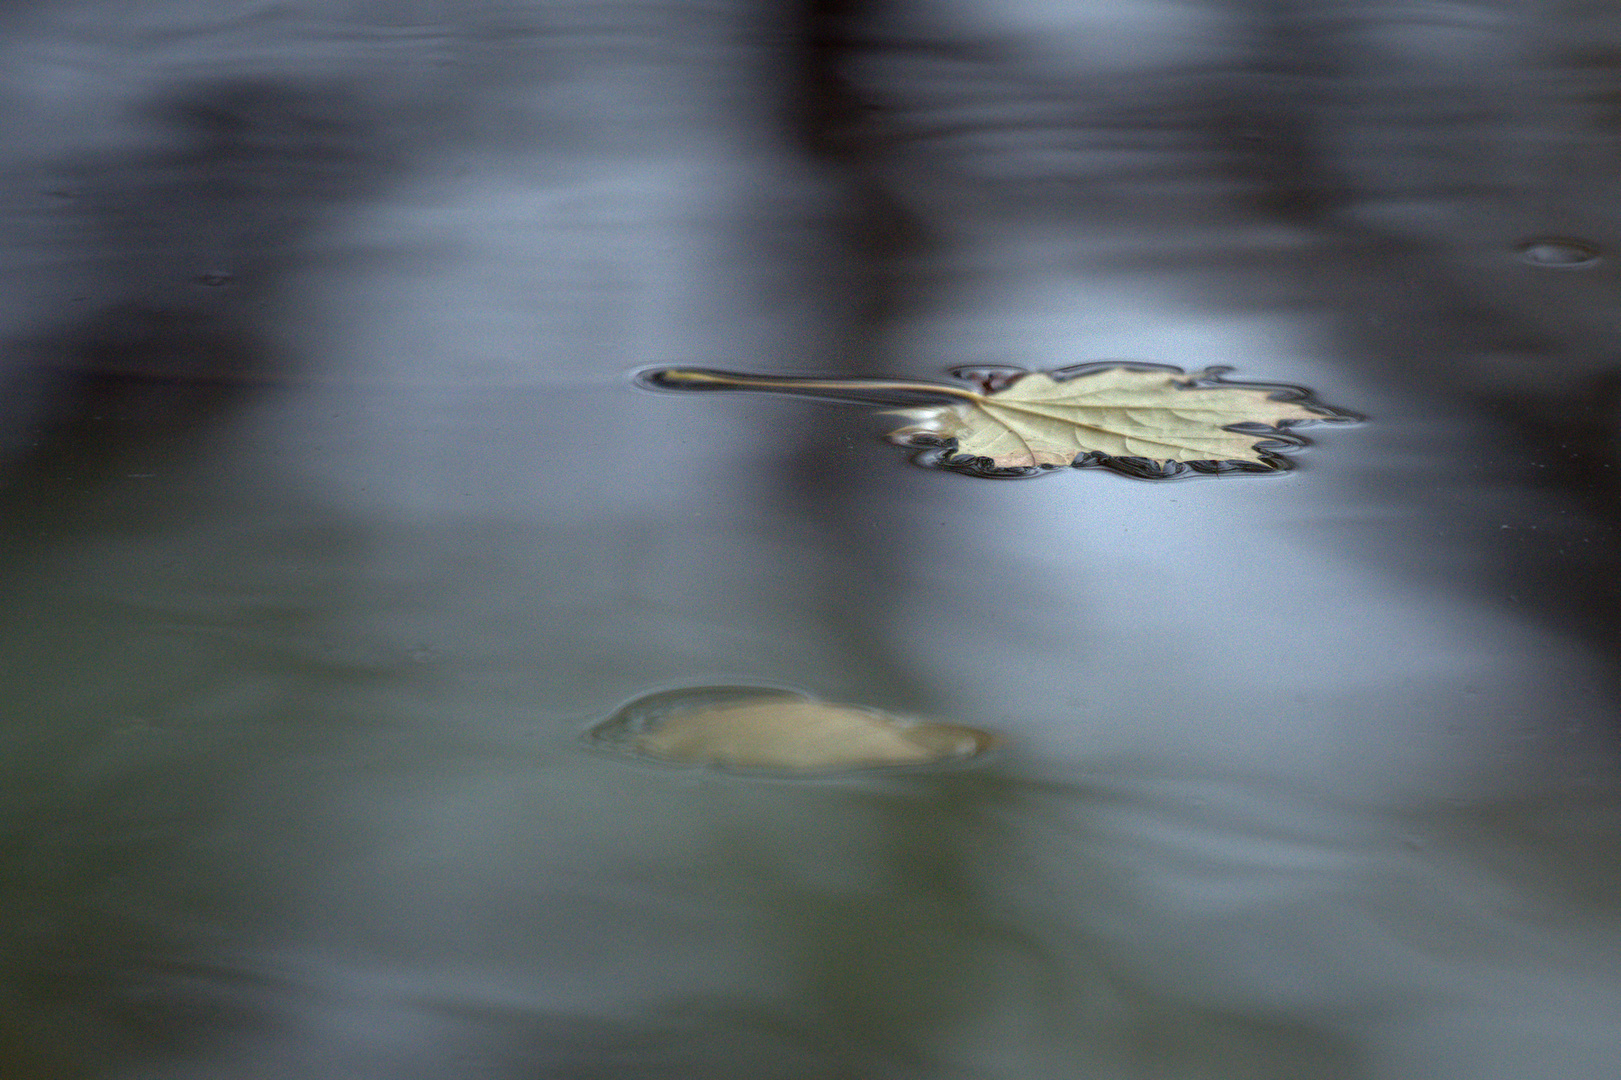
[[333, 520]]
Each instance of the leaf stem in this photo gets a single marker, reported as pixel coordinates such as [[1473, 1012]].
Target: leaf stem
[[674, 378]]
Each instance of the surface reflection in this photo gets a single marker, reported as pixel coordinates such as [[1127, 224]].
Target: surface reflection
[[333, 521]]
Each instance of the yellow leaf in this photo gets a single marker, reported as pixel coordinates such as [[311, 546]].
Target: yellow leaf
[[1111, 413]]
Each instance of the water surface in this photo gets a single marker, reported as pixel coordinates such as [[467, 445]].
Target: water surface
[[333, 521]]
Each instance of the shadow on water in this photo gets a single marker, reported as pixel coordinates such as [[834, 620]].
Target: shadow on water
[[170, 257]]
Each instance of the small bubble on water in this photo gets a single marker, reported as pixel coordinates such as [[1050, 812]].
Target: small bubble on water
[[1559, 253]]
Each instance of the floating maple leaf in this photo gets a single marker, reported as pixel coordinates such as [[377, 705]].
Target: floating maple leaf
[[1145, 421]]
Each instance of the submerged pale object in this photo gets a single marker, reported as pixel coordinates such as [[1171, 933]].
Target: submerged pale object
[[778, 731]]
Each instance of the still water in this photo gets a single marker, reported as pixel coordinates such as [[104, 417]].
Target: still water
[[333, 520]]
